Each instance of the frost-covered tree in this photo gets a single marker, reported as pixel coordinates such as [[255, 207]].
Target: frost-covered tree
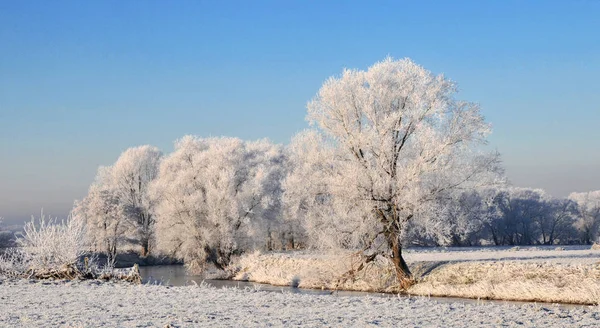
[[129, 179], [217, 197], [519, 209], [118, 202], [526, 216], [589, 214], [401, 140], [557, 222], [460, 220], [104, 216], [308, 208]]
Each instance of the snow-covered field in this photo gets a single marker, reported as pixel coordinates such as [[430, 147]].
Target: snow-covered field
[[94, 304], [581, 254], [548, 274]]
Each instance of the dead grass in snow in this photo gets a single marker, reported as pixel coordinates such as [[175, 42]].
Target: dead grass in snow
[[500, 280]]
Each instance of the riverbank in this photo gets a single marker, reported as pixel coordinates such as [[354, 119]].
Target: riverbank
[[518, 274], [106, 304]]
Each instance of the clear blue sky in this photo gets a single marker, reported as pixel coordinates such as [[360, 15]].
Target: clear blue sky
[[80, 81]]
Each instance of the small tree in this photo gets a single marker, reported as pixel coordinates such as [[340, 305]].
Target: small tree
[[401, 140]]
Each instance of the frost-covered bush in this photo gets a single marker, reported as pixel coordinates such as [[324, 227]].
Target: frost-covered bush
[[12, 263], [50, 245], [47, 248], [456, 220]]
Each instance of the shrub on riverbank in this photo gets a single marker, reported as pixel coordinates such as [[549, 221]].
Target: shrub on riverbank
[[48, 249]]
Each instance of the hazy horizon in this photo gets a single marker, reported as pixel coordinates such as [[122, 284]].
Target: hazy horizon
[[82, 81]]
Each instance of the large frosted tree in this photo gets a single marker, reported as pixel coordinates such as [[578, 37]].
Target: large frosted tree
[[401, 141], [217, 197]]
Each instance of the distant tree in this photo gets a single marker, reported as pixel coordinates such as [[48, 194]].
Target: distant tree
[[588, 222], [401, 141], [520, 209], [217, 197], [557, 222], [461, 219], [526, 216]]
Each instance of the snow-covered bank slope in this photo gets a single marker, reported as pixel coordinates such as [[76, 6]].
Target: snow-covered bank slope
[[548, 275], [90, 304], [514, 280]]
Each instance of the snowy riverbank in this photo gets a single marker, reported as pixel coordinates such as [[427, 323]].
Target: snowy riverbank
[[96, 304], [521, 274]]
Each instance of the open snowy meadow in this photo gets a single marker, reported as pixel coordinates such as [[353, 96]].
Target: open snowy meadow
[[96, 304]]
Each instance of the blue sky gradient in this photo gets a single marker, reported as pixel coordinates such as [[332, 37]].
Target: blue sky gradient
[[80, 81]]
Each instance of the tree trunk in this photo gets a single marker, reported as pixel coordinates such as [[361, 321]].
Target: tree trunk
[[214, 256], [403, 274], [145, 247]]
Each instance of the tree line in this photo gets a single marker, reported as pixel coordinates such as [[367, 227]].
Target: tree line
[[392, 159]]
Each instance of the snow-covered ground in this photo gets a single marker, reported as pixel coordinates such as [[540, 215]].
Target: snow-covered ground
[[95, 304], [554, 254]]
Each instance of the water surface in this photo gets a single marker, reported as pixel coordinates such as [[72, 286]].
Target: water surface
[[176, 275]]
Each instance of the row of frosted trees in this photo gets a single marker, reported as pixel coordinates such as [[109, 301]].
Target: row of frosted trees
[[515, 216], [214, 197], [393, 159]]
